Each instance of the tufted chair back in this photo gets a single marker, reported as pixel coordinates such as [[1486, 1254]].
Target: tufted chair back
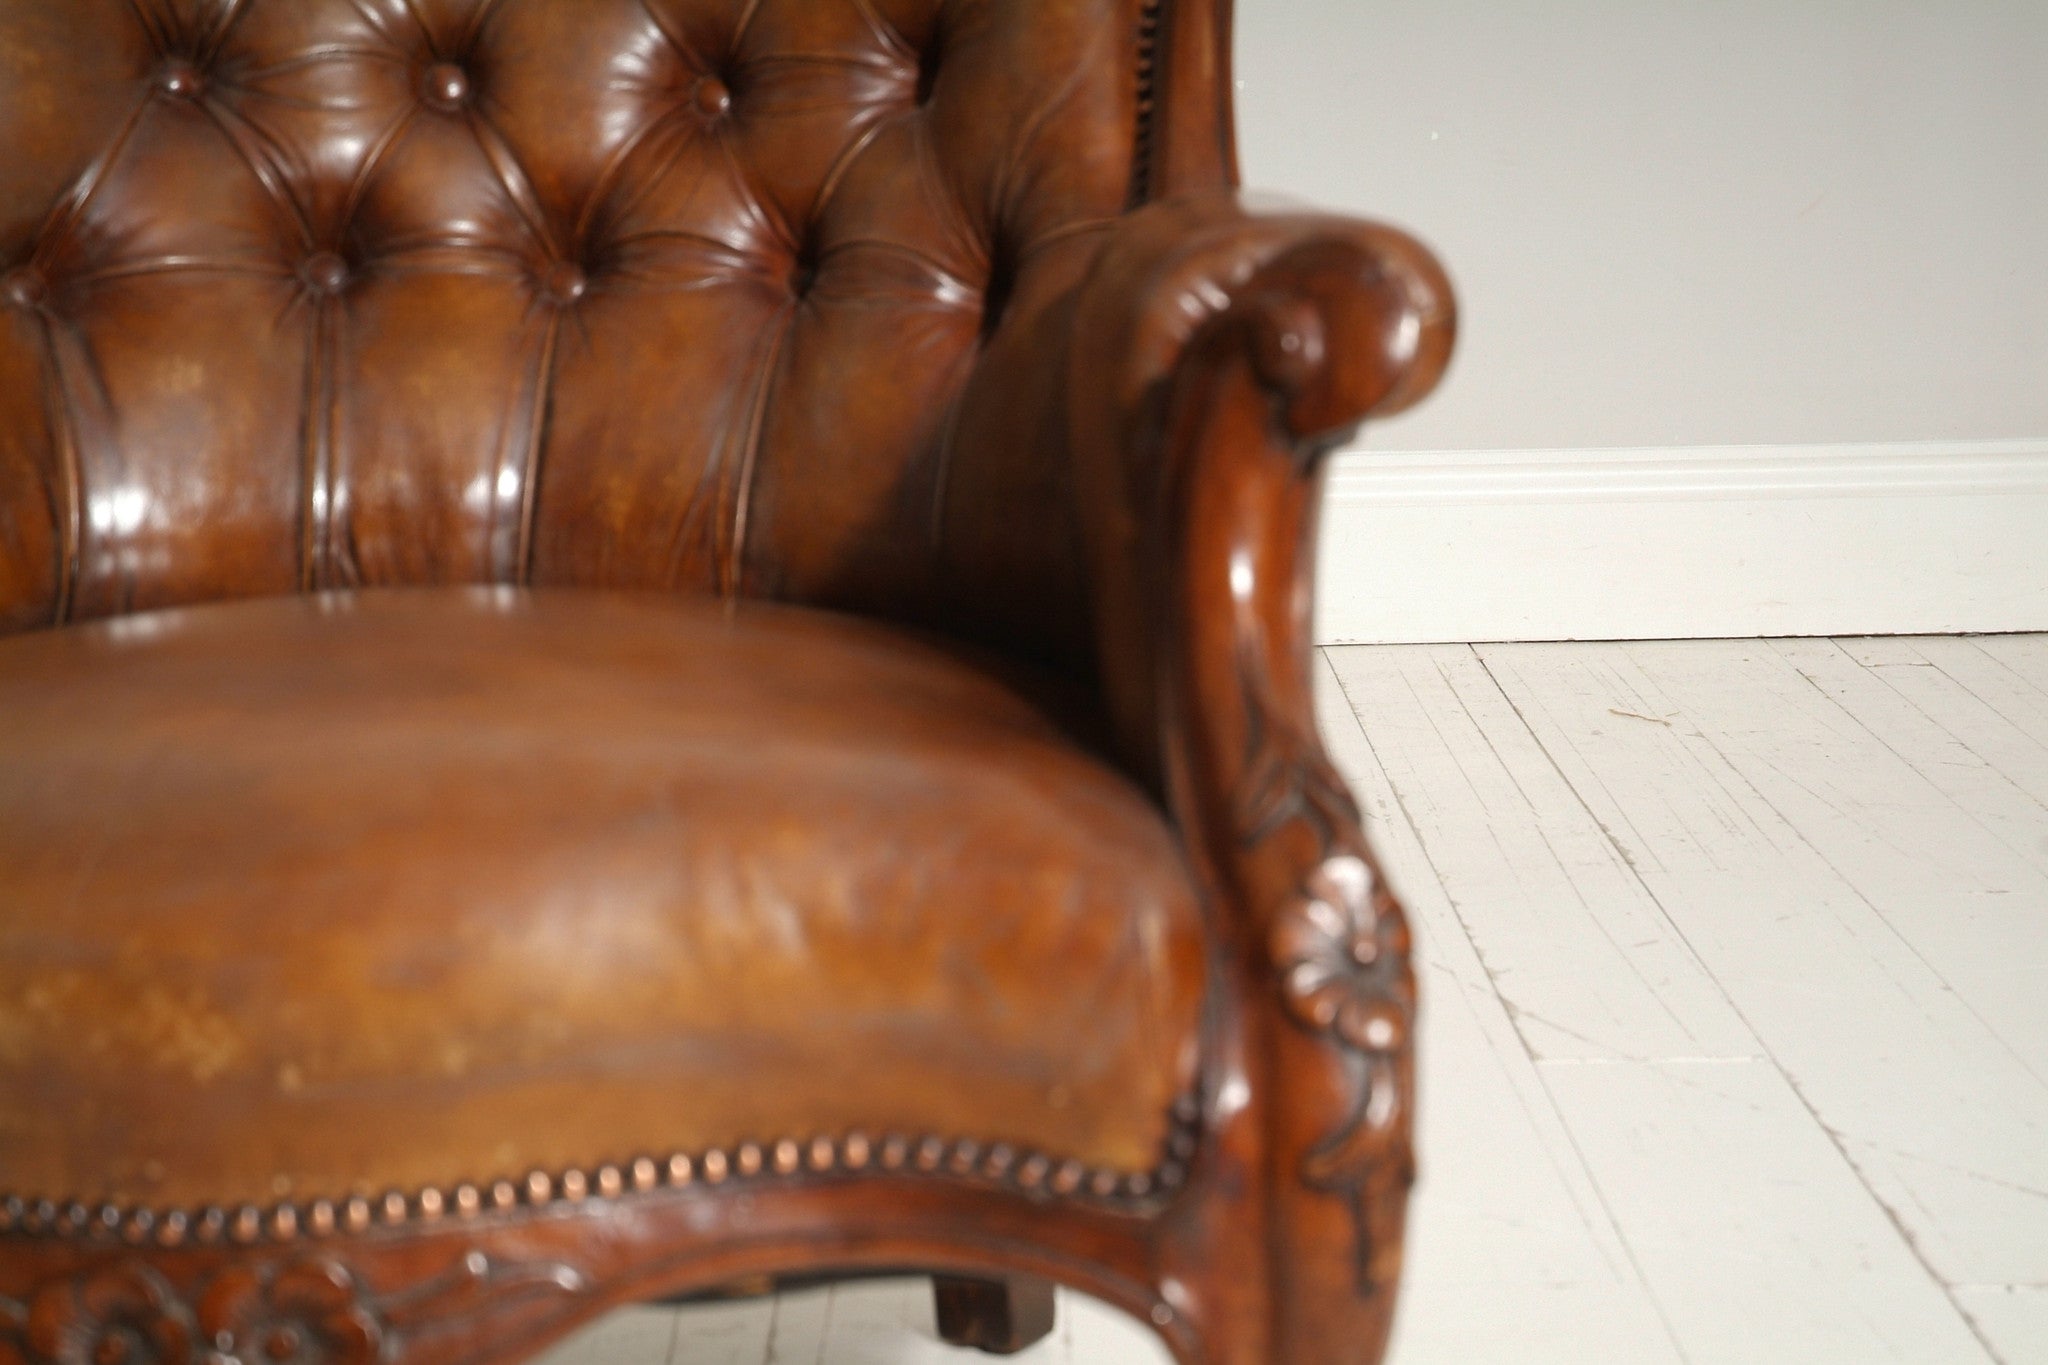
[[686, 294]]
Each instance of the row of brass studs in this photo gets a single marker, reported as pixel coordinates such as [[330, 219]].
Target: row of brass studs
[[964, 1158], [1149, 18]]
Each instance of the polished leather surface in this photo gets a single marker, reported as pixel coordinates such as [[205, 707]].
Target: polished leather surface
[[348, 892], [937, 311], [683, 294]]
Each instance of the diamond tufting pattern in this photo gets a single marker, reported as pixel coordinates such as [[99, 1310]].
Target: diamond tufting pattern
[[299, 294]]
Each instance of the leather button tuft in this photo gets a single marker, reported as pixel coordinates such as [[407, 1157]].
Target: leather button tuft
[[24, 288], [179, 78], [445, 85], [712, 97], [324, 272], [565, 282]]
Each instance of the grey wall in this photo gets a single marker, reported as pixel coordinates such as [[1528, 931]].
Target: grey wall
[[1689, 222]]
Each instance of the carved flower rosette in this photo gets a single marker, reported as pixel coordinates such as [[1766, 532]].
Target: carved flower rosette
[[1341, 949], [308, 1313], [123, 1316], [304, 1311]]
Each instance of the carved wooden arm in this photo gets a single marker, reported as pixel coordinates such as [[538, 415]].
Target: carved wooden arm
[[1218, 357]]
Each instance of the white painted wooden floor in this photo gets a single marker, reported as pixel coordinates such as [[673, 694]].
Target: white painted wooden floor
[[1736, 1034]]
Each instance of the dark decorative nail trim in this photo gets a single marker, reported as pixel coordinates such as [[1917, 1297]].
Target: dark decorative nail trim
[[787, 1160], [1151, 14]]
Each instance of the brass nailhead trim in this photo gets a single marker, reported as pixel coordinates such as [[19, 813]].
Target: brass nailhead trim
[[1150, 15], [1002, 1164], [248, 1224], [930, 1153]]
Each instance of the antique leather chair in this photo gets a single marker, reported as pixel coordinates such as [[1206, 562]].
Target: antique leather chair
[[657, 642]]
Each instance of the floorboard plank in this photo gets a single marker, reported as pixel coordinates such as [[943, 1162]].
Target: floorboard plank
[[1511, 1253], [876, 1322], [1945, 846], [1996, 712], [1754, 1234], [1093, 1333], [2012, 1318], [1940, 1116], [1583, 957], [648, 1336], [861, 1322], [2025, 660]]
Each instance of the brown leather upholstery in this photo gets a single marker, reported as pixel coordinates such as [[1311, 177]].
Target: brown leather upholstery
[[330, 895], [310, 293], [563, 377]]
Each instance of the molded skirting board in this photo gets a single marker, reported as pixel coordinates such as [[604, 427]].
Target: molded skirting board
[[1682, 542]]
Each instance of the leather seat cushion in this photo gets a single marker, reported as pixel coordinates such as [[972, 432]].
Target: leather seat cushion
[[309, 897]]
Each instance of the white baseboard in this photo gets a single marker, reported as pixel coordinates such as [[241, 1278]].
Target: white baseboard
[[1682, 542]]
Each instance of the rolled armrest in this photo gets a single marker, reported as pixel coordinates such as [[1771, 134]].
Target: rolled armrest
[[1214, 345]]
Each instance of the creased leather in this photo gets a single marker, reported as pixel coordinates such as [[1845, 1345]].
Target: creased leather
[[334, 894], [685, 294]]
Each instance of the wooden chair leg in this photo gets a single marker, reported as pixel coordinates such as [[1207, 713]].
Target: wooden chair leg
[[1001, 1317]]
